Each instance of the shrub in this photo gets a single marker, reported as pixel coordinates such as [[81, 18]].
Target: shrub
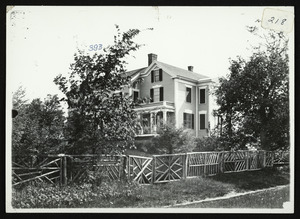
[[143, 145], [173, 140], [212, 143]]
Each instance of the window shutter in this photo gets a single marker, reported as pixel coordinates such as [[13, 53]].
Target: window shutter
[[192, 121], [152, 76], [161, 94], [189, 95], [202, 121], [202, 95], [151, 95], [160, 75], [184, 119], [135, 95]]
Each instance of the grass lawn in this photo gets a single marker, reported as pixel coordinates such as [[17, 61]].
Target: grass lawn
[[264, 199], [254, 180], [159, 195]]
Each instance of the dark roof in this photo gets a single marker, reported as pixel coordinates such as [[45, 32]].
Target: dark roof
[[171, 70], [175, 71], [134, 72]]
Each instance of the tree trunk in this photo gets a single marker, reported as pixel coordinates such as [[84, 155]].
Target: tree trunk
[[264, 139]]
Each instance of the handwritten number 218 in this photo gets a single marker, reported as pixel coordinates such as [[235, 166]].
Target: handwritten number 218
[[272, 19], [95, 47]]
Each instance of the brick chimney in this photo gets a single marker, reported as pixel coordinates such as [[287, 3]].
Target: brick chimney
[[151, 58], [190, 68]]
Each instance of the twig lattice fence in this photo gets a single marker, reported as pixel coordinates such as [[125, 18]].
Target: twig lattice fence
[[65, 169], [42, 168]]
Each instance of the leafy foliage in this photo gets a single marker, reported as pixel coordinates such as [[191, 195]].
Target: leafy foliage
[[38, 128], [101, 119], [173, 140], [212, 143], [254, 97], [54, 196]]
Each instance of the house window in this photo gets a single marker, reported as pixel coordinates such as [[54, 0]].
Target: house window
[[202, 95], [157, 94], [135, 85], [135, 95], [188, 94], [188, 120], [156, 75], [202, 121]]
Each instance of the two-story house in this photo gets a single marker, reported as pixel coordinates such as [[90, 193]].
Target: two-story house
[[171, 94]]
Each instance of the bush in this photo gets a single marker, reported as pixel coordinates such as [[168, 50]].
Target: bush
[[85, 195], [172, 140], [208, 144], [145, 146]]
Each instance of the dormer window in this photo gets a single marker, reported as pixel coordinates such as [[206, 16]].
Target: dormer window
[[156, 75]]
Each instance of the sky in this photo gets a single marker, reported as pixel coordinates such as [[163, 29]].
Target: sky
[[42, 40]]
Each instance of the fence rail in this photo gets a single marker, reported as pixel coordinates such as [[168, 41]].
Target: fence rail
[[42, 168], [65, 169]]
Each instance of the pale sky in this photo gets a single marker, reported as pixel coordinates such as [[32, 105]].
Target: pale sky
[[41, 40]]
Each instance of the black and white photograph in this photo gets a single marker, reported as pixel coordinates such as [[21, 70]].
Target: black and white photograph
[[167, 109]]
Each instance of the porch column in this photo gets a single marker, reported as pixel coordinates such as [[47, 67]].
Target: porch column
[[152, 122], [165, 116], [197, 112], [139, 117]]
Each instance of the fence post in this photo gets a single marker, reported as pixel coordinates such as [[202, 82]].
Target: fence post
[[264, 162], [185, 165], [123, 167], [153, 169], [205, 164], [246, 160], [128, 167], [61, 172], [65, 181], [222, 162]]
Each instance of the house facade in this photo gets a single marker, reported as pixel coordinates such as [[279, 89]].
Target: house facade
[[169, 94]]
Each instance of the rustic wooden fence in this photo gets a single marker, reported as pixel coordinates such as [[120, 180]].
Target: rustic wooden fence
[[281, 158], [65, 169], [80, 166], [173, 167], [41, 168]]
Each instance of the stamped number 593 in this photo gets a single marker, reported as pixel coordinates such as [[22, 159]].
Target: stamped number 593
[[95, 47]]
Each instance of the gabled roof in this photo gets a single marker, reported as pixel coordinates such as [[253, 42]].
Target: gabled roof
[[175, 71], [169, 69], [135, 72]]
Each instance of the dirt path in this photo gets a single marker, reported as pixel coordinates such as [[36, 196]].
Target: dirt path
[[251, 194]]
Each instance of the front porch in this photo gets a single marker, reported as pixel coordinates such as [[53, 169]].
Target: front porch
[[152, 116]]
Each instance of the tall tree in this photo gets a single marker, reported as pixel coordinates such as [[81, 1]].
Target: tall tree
[[38, 128], [101, 119], [19, 122], [254, 97]]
